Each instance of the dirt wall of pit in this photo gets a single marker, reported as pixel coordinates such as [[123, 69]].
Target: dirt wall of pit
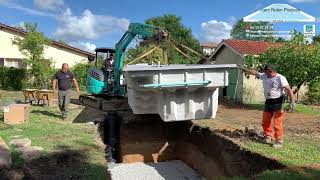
[[209, 153]]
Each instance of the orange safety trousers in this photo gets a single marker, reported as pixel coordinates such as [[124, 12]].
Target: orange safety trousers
[[278, 120]]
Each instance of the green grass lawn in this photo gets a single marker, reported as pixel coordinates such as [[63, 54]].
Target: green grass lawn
[[300, 153], [46, 129], [72, 146]]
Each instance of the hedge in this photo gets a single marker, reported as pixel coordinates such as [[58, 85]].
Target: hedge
[[313, 93], [16, 79], [12, 78], [81, 70]]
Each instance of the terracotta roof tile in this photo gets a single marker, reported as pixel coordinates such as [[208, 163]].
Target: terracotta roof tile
[[250, 47]]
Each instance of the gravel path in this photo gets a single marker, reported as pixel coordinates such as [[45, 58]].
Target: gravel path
[[176, 170]]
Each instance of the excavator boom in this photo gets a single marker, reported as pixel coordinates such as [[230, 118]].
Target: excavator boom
[[144, 31], [98, 82]]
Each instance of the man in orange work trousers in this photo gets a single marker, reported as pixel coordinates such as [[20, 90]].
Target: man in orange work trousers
[[274, 85]]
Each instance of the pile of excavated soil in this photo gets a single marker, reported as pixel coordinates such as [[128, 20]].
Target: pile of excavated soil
[[232, 118], [153, 171]]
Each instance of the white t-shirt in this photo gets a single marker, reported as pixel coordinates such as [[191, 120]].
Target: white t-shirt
[[273, 87]]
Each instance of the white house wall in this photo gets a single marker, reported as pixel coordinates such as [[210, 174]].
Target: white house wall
[[58, 54], [7, 50], [63, 55]]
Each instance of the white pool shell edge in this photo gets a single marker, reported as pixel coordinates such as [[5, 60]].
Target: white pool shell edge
[[176, 92]]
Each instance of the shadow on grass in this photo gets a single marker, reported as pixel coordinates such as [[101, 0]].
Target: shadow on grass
[[65, 163], [46, 113]]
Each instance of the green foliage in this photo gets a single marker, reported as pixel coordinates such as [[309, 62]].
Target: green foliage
[[298, 61], [80, 71], [314, 92], [282, 40], [316, 39], [253, 62], [178, 33], [32, 46], [100, 60], [12, 78], [239, 31], [152, 58]]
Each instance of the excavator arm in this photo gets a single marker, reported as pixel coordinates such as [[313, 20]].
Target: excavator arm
[[144, 31]]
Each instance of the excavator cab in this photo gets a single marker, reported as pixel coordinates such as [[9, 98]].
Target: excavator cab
[[99, 82], [100, 75]]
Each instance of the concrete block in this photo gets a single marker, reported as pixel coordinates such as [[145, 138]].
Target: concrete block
[[153, 171]]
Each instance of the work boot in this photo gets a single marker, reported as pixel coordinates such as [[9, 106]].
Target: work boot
[[267, 140], [278, 144]]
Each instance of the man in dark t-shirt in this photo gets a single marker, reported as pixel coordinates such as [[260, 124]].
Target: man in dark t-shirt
[[109, 62], [107, 67], [64, 78]]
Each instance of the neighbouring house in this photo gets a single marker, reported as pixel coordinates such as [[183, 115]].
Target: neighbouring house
[[59, 52], [208, 48], [246, 89]]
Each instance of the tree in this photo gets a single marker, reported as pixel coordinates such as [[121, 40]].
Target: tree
[[281, 39], [239, 31], [154, 57], [297, 60], [32, 46], [179, 34], [316, 39], [313, 93]]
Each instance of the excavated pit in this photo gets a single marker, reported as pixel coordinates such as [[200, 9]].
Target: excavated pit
[[148, 139]]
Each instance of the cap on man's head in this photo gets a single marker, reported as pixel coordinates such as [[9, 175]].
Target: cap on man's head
[[268, 67]]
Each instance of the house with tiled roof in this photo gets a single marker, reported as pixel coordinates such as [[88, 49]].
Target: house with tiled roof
[[208, 48], [58, 52], [246, 89]]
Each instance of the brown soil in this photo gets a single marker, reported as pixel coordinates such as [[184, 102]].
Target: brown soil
[[238, 117], [208, 152], [209, 146]]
